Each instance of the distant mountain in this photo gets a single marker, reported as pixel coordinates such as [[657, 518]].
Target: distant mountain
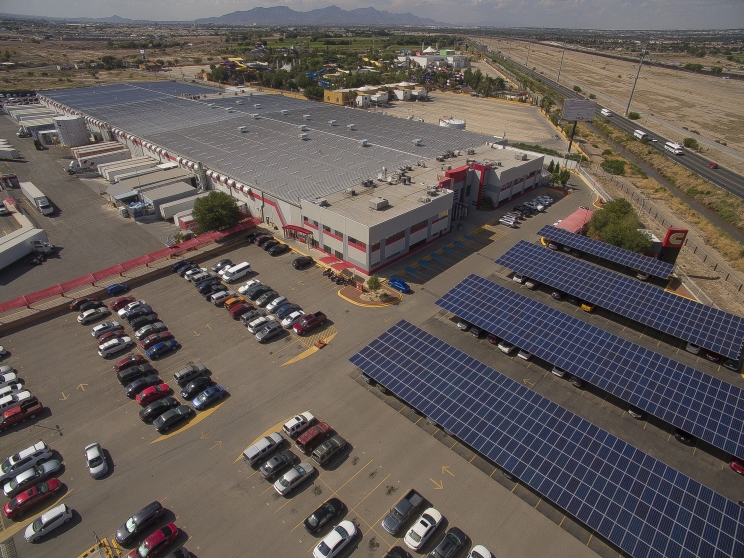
[[329, 16]]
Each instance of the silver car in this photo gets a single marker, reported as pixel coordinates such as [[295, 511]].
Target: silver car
[[96, 461], [293, 477], [92, 315], [47, 522]]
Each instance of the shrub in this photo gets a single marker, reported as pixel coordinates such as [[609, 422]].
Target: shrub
[[577, 88], [614, 166], [373, 282], [691, 143], [634, 115], [592, 96], [607, 152]]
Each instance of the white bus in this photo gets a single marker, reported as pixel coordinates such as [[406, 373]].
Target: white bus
[[236, 272], [640, 134], [673, 148], [605, 112]]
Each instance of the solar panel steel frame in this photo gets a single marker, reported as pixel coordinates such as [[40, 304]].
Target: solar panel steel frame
[[633, 260], [708, 327], [708, 408], [635, 501]]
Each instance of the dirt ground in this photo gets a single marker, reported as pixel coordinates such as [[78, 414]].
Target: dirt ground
[[668, 100]]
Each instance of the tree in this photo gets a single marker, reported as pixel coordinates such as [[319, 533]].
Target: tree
[[691, 143], [373, 282], [215, 211], [633, 115], [624, 235], [314, 92], [220, 74], [551, 166]]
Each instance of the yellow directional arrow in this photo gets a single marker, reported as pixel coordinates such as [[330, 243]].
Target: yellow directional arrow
[[438, 485], [217, 444], [64, 396], [203, 436], [528, 382], [197, 334], [445, 469], [82, 386], [209, 326]]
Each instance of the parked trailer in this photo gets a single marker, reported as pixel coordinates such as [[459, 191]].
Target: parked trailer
[[95, 148], [112, 175], [89, 164], [37, 198], [168, 210], [22, 242]]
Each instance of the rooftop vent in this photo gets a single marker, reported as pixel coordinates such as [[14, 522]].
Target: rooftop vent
[[285, 112], [322, 202], [364, 143], [418, 142], [333, 122], [424, 199], [303, 127], [350, 192], [256, 116], [351, 126], [257, 105], [304, 136], [229, 110], [378, 203], [306, 116], [242, 128]]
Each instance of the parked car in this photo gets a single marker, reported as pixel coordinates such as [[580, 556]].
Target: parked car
[[736, 465], [104, 327], [195, 386], [286, 309], [463, 325], [142, 321], [137, 523], [251, 315], [240, 309], [248, 285], [131, 305], [213, 288], [90, 305], [185, 269], [32, 497], [209, 286], [258, 324], [76, 303], [278, 249], [162, 348], [292, 478], [219, 298], [327, 511], [156, 543], [262, 448], [126, 362], [149, 329], [524, 355], [276, 464], [227, 262], [96, 460], [684, 437], [480, 551], [234, 301], [208, 396], [276, 303], [492, 339], [251, 236], [298, 424], [302, 262], [47, 522], [24, 459], [193, 272], [399, 285], [145, 310], [262, 239], [265, 298], [170, 418], [269, 244], [106, 337], [450, 545], [424, 527], [334, 542], [154, 338], [131, 390], [131, 373], [189, 373], [110, 348], [31, 476], [256, 291], [157, 408], [506, 347], [270, 331], [117, 288], [93, 315], [178, 265], [150, 394], [20, 412], [289, 321], [328, 449]]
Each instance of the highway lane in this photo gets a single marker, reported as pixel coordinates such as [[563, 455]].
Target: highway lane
[[721, 177]]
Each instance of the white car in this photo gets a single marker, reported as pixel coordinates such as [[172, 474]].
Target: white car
[[506, 347], [24, 459], [293, 477], [196, 271], [95, 460], [424, 527], [256, 325], [3, 351], [524, 355], [294, 426], [276, 303], [131, 306], [335, 541], [7, 379], [11, 388], [93, 314], [47, 522], [480, 551], [518, 278], [248, 285], [114, 346], [289, 321]]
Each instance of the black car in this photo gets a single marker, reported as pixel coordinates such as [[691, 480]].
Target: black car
[[558, 295], [142, 321], [214, 288], [204, 280], [260, 239], [315, 521], [220, 264], [90, 305], [270, 244], [178, 265], [172, 417], [137, 523], [195, 386], [141, 383], [75, 304], [302, 261], [178, 553], [450, 545], [274, 465], [251, 236], [576, 381], [204, 285], [286, 309], [185, 269], [251, 315], [137, 312], [255, 292], [397, 552], [683, 437], [278, 249], [128, 375], [157, 408]]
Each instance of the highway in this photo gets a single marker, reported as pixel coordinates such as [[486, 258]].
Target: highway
[[721, 177]]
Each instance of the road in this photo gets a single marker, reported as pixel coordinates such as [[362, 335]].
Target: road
[[721, 177]]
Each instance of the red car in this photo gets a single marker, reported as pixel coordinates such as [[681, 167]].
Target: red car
[[121, 302], [150, 340], [131, 360], [240, 309], [26, 410], [152, 393], [109, 335], [31, 497], [75, 304], [737, 465], [155, 544], [713, 165]]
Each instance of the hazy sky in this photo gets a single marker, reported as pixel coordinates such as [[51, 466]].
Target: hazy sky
[[586, 14]]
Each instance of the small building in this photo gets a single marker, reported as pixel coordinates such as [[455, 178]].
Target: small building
[[339, 97], [362, 101], [577, 221], [150, 67], [168, 193]]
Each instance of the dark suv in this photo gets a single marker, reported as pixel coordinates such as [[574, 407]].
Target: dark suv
[[450, 545]]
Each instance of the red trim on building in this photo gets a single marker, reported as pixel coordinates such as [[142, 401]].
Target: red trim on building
[[360, 248], [309, 224], [481, 181], [326, 233], [459, 174], [296, 229]]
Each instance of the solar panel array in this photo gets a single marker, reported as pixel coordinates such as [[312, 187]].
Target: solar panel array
[[639, 262], [710, 328], [708, 408], [641, 505]]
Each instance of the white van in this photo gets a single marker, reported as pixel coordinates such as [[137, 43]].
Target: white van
[[237, 272], [14, 399], [640, 134], [605, 112]]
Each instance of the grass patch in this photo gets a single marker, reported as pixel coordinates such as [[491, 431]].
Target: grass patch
[[614, 166], [548, 151], [635, 169]]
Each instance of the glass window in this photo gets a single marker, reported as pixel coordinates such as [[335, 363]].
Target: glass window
[[395, 237], [338, 234], [338, 254], [326, 228]]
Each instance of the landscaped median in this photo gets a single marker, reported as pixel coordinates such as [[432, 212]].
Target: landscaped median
[[367, 298]]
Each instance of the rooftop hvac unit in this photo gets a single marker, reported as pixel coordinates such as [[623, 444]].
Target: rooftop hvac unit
[[229, 110], [351, 126], [410, 117], [378, 203], [350, 192], [211, 105], [256, 116], [242, 128], [322, 202], [432, 191], [418, 142], [424, 199], [303, 127], [333, 122], [285, 112], [364, 143], [306, 116], [257, 105], [304, 136], [239, 102]]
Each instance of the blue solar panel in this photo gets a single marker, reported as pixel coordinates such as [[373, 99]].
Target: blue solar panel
[[639, 262], [710, 328], [641, 505], [702, 405]]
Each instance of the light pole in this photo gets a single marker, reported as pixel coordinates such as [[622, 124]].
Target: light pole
[[638, 73], [560, 66], [529, 46]]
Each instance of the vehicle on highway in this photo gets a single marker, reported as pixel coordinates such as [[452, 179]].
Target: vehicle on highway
[[712, 165], [248, 285], [24, 459], [327, 511], [399, 285], [450, 545], [208, 396], [104, 327], [155, 543], [126, 362], [150, 394], [110, 348], [270, 331], [292, 478], [75, 304], [195, 386], [262, 448], [289, 321], [278, 249], [191, 372], [31, 476], [95, 460], [163, 348], [117, 288], [157, 408], [172, 417], [227, 262], [131, 373], [149, 329], [334, 542], [32, 497], [124, 304], [137, 523], [302, 262], [154, 338], [93, 315], [424, 527], [47, 522], [276, 464], [131, 390]]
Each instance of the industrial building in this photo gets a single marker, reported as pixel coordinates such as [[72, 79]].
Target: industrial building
[[363, 187]]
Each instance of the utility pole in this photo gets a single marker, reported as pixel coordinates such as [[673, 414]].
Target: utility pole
[[627, 109], [560, 67], [529, 46]]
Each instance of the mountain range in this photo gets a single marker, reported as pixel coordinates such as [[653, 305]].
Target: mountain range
[[328, 16]]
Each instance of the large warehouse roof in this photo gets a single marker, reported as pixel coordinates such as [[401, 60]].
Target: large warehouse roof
[[269, 154]]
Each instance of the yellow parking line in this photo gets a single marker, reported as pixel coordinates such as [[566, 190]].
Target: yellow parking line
[[370, 492], [193, 422]]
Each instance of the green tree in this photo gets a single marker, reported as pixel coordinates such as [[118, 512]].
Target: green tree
[[373, 282], [314, 92], [633, 115], [577, 88], [551, 166], [220, 74], [215, 211], [624, 235], [691, 143]]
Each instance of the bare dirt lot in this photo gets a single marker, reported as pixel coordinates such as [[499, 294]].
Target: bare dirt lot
[[668, 100]]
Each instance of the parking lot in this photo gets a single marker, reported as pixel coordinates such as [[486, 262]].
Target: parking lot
[[223, 507]]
